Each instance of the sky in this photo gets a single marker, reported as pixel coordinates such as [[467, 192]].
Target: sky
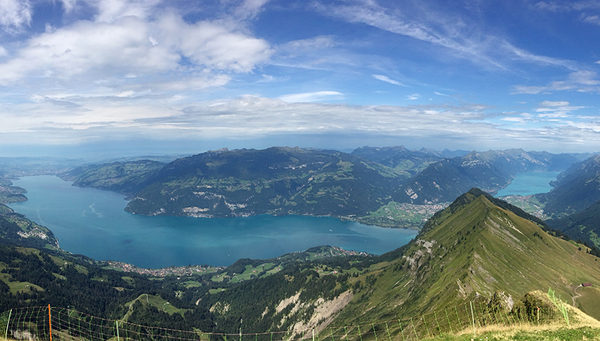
[[127, 77]]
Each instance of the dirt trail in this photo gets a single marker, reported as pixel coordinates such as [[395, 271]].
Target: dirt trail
[[577, 295]]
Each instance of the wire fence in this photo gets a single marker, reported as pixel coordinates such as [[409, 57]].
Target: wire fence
[[50, 323]]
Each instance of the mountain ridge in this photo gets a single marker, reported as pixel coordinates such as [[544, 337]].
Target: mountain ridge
[[474, 248], [272, 181]]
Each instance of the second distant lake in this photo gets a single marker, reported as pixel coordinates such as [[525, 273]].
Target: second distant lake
[[93, 223], [529, 183]]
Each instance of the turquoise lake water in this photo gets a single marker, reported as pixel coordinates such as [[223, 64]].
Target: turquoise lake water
[[93, 223], [529, 183]]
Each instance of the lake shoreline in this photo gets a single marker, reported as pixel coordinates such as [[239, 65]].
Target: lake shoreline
[[77, 215]]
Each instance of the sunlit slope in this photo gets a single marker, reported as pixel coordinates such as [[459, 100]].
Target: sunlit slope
[[472, 249]]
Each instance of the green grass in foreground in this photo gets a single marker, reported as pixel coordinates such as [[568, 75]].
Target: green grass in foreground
[[529, 334]]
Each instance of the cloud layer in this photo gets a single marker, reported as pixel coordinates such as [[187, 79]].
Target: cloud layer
[[468, 75]]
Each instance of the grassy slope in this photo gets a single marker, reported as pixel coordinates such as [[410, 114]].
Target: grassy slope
[[154, 301], [581, 327], [476, 251]]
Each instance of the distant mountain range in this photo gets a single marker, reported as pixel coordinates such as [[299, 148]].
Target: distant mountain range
[[491, 171], [402, 160], [369, 185]]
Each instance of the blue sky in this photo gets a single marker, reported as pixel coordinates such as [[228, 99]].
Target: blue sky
[[132, 76]]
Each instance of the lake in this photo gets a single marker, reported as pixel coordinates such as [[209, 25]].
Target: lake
[[529, 183], [93, 223]]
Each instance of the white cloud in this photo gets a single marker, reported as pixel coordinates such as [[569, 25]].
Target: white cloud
[[514, 119], [444, 29], [592, 19], [69, 5], [68, 118], [542, 60], [388, 80], [319, 42], [413, 97], [581, 81], [88, 47], [14, 14], [565, 6], [556, 109], [132, 45], [312, 96], [554, 104], [207, 43], [110, 11], [193, 82], [249, 9]]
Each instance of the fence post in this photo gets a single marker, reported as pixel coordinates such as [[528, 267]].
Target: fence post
[[415, 329], [374, 332], [50, 322], [401, 330], [388, 331], [426, 327], [117, 324], [447, 318], [7, 323], [458, 318], [472, 318], [359, 333]]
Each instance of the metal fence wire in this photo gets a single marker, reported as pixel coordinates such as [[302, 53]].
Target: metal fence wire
[[50, 323]]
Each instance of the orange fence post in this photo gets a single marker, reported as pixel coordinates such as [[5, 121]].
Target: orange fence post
[[50, 322]]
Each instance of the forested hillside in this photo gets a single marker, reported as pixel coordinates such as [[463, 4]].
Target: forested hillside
[[274, 181], [15, 229], [574, 190]]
